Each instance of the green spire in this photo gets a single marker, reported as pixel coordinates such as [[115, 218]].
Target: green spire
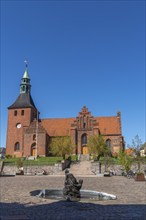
[[25, 81], [26, 76]]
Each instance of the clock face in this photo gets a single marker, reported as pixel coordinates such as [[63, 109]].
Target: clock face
[[18, 125]]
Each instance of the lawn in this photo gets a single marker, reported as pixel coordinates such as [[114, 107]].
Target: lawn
[[39, 161]]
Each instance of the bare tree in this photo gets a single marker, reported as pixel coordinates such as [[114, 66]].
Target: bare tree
[[137, 144]]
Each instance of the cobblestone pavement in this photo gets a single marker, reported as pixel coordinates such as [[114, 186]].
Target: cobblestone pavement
[[18, 204]]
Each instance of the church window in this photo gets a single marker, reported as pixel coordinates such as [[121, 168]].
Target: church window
[[22, 112], [84, 121], [84, 139], [34, 137], [108, 143], [115, 141], [15, 113], [17, 146]]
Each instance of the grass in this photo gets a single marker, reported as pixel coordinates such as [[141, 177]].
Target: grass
[[53, 160], [38, 162]]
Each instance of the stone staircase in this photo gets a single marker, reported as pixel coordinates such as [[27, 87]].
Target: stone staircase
[[81, 168], [84, 157]]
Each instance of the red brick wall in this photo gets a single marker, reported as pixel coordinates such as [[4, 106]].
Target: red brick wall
[[13, 133]]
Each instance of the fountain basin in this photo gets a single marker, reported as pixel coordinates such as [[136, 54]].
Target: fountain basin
[[88, 195]]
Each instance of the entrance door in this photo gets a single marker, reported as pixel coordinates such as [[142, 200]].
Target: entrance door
[[85, 150], [33, 152], [33, 149]]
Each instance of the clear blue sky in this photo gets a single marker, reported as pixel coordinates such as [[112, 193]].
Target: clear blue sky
[[80, 53]]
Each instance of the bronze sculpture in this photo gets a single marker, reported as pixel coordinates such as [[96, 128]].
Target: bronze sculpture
[[72, 187]]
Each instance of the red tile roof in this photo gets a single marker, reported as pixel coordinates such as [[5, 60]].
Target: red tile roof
[[62, 126], [129, 151], [108, 125], [57, 126]]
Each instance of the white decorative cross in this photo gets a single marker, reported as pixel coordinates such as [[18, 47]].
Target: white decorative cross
[[26, 63]]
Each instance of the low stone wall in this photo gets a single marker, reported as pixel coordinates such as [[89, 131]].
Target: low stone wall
[[7, 169], [57, 169], [51, 170], [117, 168]]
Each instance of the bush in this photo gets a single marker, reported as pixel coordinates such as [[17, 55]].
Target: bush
[[19, 163], [8, 156]]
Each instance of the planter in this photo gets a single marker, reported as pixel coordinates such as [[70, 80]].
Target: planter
[[107, 174], [139, 177]]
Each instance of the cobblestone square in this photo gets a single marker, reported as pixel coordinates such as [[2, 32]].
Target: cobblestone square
[[18, 204]]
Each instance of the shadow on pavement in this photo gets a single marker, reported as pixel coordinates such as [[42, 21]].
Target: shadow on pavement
[[62, 210]]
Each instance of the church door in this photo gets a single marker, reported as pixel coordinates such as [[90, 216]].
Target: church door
[[33, 152], [33, 149], [85, 150]]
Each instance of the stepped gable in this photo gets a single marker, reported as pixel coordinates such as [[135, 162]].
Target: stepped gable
[[62, 126], [57, 126], [35, 126]]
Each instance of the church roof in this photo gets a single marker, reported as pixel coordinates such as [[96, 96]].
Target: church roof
[[109, 125], [57, 126], [61, 126], [24, 100]]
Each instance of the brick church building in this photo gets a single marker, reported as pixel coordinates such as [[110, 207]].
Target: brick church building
[[28, 135]]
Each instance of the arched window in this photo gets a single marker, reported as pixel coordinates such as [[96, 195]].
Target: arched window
[[84, 121], [15, 113], [34, 137], [22, 112], [17, 146], [108, 143], [84, 139]]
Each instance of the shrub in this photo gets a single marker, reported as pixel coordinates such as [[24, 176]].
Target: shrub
[[19, 163], [8, 156]]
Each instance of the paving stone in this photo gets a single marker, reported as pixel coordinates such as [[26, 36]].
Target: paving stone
[[18, 204]]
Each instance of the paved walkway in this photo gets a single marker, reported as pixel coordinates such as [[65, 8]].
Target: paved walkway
[[17, 204]]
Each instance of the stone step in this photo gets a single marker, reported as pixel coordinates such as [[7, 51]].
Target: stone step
[[31, 158], [84, 157], [82, 168]]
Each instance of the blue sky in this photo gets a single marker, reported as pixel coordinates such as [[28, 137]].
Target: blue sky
[[80, 53]]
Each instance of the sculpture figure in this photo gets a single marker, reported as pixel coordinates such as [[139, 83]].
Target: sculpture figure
[[72, 188]]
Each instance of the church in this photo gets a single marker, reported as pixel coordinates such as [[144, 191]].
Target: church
[[30, 135]]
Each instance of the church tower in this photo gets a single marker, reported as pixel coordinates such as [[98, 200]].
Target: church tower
[[20, 115]]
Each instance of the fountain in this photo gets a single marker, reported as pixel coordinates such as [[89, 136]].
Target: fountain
[[72, 192]]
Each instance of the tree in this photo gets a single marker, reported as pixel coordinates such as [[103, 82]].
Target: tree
[[143, 146], [60, 146], [137, 144], [125, 160], [98, 146]]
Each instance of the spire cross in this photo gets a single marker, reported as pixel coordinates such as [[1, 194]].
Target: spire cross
[[26, 63]]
